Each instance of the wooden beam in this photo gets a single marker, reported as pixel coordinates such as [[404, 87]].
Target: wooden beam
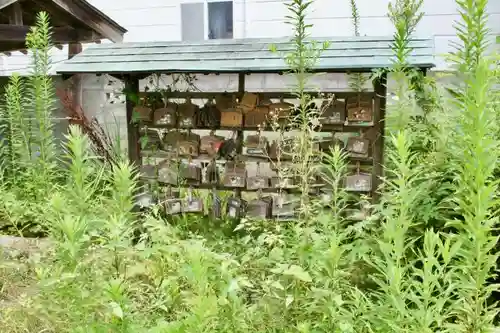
[[5, 3], [380, 87], [266, 94], [133, 136], [74, 49], [240, 134], [62, 35], [16, 14], [75, 9]]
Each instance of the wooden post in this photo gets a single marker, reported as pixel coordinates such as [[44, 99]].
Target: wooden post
[[76, 80], [241, 137], [16, 14], [16, 19], [133, 137], [422, 100], [380, 87]]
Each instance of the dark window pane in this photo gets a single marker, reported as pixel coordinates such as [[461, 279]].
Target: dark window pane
[[220, 20]]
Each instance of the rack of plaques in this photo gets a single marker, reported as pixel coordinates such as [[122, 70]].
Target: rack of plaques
[[218, 154]]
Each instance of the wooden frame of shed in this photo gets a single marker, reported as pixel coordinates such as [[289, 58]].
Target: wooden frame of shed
[[72, 21], [132, 62]]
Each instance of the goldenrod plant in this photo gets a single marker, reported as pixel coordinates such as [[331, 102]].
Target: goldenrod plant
[[29, 155], [40, 99], [473, 33], [476, 199], [300, 61], [473, 128], [404, 277], [357, 81], [405, 16], [16, 149], [334, 169]]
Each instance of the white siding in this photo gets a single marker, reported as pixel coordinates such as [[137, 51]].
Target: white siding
[[156, 20], [152, 20]]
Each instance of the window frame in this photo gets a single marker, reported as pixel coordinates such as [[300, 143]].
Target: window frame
[[206, 24]]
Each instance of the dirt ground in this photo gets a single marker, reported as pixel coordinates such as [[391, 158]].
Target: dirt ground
[[18, 257]]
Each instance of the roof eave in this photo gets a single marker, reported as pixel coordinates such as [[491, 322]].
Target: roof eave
[[104, 17], [5, 3], [264, 71], [93, 18]]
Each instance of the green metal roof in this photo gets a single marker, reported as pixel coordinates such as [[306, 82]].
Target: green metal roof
[[244, 55]]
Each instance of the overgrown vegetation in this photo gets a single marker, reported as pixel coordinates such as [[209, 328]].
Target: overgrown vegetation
[[28, 168], [423, 262], [305, 120]]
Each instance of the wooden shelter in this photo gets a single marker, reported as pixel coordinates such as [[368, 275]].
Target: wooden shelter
[[132, 62], [73, 22]]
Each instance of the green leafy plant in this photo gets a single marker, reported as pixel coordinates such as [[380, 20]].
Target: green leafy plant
[[406, 280], [301, 60], [475, 187], [472, 32], [30, 152], [357, 81], [41, 94], [17, 137], [405, 16]]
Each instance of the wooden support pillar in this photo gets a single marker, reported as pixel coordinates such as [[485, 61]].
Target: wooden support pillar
[[241, 83], [241, 137], [16, 14], [76, 79], [380, 87], [422, 97], [133, 137]]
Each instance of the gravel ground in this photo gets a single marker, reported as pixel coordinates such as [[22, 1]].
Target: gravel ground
[[16, 267], [18, 246]]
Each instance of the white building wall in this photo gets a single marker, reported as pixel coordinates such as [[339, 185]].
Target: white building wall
[[159, 20]]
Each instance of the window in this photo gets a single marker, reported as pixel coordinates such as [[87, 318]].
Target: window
[[207, 20], [192, 18], [220, 20]]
